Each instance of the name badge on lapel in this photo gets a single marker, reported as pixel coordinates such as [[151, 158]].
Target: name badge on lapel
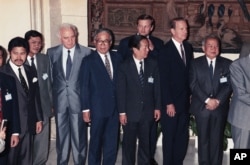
[[8, 96], [223, 79], [151, 80]]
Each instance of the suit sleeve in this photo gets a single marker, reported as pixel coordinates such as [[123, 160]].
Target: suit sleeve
[[85, 85], [121, 90], [157, 89], [196, 89], [238, 83], [165, 77], [15, 108]]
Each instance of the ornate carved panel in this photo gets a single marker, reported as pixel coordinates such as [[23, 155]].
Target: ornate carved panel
[[229, 19]]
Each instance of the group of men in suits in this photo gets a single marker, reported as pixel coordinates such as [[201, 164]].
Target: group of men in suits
[[137, 85]]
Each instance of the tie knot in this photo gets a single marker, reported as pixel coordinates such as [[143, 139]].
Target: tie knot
[[19, 69], [211, 62], [32, 59], [68, 52], [140, 62]]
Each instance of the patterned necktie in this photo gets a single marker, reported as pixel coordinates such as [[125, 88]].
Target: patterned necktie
[[33, 66], [107, 65], [211, 70], [141, 75], [68, 65], [23, 82], [183, 54]]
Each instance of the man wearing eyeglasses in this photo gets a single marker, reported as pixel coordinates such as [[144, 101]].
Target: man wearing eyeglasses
[[98, 100]]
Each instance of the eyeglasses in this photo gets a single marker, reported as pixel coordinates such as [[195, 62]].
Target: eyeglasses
[[103, 42]]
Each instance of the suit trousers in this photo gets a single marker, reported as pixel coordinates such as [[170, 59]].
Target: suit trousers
[[41, 144], [153, 139], [241, 137], [22, 153], [210, 128], [103, 140], [175, 138], [132, 131], [71, 134]]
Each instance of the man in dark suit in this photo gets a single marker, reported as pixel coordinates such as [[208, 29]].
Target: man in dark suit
[[174, 60], [138, 98], [145, 27], [211, 90], [40, 64], [9, 111], [28, 101], [65, 61], [98, 99]]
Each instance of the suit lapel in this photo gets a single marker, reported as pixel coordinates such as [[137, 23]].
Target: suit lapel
[[134, 71], [58, 60], [18, 83]]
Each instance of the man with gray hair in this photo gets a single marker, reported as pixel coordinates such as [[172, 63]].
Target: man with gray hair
[[98, 77], [65, 61]]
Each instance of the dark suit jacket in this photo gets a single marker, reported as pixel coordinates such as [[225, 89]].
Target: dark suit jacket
[[124, 50], [202, 86], [136, 102], [29, 106], [174, 76], [97, 89], [44, 81], [9, 105]]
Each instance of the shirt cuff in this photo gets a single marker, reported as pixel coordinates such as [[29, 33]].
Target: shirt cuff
[[207, 100], [85, 110]]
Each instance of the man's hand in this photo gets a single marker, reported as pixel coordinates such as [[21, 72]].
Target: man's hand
[[170, 110], [14, 140], [212, 104], [151, 45], [157, 114], [123, 119], [39, 127], [86, 116]]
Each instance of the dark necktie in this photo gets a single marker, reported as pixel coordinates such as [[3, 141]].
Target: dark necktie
[[68, 65], [33, 66], [107, 65], [211, 69], [141, 75], [23, 82], [183, 54]]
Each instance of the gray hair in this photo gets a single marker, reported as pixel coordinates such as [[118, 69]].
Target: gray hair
[[67, 26], [111, 34]]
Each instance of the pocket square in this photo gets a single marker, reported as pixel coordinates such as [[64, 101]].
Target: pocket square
[[34, 80]]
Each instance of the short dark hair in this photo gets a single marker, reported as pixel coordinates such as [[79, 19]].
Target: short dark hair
[[146, 17], [32, 33], [109, 31], [4, 54], [18, 42], [134, 41], [172, 23], [211, 36]]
